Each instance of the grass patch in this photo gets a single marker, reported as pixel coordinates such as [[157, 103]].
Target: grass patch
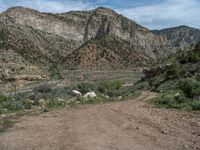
[[5, 124], [44, 96]]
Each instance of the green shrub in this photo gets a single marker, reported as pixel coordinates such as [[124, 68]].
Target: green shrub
[[194, 57], [187, 70], [27, 104], [11, 104], [44, 88], [195, 105], [196, 91], [165, 100], [110, 88], [144, 85], [190, 87], [53, 103], [170, 100], [4, 98], [183, 57], [173, 70], [197, 76], [167, 86], [110, 85]]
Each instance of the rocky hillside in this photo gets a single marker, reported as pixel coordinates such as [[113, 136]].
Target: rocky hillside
[[38, 47], [107, 53], [96, 39], [180, 36]]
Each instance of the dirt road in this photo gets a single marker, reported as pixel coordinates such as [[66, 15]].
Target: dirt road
[[128, 125]]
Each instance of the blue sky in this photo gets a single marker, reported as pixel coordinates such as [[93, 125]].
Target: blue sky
[[154, 14]]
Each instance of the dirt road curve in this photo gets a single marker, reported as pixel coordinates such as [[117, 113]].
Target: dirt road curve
[[129, 125]]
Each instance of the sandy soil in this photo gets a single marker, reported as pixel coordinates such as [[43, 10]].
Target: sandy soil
[[128, 125]]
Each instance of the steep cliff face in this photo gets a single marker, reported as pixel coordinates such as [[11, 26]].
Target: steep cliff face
[[85, 25], [68, 25], [180, 37]]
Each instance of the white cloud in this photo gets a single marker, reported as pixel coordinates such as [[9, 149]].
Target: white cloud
[[167, 13], [55, 6], [160, 14], [2, 5], [48, 5]]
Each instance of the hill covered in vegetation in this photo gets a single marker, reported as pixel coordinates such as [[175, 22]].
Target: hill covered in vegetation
[[178, 81]]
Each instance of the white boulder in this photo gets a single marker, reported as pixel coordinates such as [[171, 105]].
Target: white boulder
[[77, 93], [90, 95]]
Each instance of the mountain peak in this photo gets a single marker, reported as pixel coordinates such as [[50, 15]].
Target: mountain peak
[[104, 10], [16, 8], [181, 27], [19, 9], [184, 26]]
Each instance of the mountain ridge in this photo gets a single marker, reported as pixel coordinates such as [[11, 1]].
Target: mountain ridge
[[48, 40]]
